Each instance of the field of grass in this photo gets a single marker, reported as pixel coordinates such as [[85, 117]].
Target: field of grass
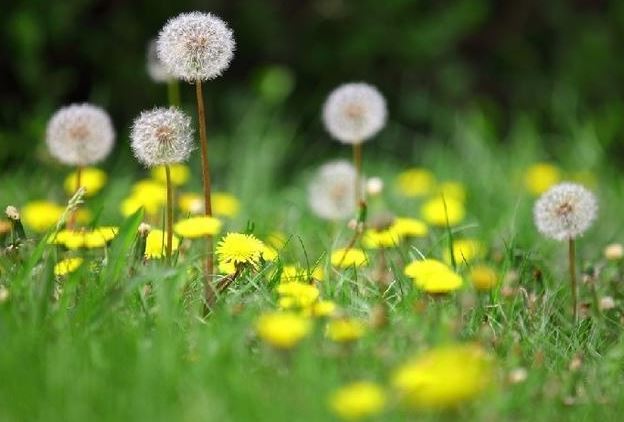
[[123, 338]]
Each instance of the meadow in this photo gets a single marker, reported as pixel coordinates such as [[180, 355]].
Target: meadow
[[319, 312]]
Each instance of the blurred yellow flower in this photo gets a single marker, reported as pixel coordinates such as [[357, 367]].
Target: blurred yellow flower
[[283, 330], [321, 308], [358, 400], [91, 178], [148, 194], [295, 294], [439, 212], [465, 251], [41, 215], [96, 238], [239, 248], [415, 182], [277, 239], [452, 189], [268, 253], [200, 226], [179, 174], [409, 227], [345, 330], [483, 277], [433, 276], [67, 266], [374, 239], [444, 377], [132, 204], [540, 177], [191, 203], [156, 244], [348, 258], [296, 273], [224, 204]]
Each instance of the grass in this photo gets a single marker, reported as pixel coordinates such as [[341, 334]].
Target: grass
[[125, 341]]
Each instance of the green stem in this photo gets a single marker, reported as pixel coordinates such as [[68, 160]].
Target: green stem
[[572, 267]]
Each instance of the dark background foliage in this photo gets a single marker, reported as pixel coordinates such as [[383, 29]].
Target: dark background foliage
[[550, 60]]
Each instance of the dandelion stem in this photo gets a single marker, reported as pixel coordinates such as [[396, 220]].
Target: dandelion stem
[[169, 213], [209, 293], [173, 93], [72, 218], [572, 263], [357, 162]]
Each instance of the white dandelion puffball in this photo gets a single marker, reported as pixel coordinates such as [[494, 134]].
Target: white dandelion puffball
[[332, 194], [196, 46], [354, 112], [80, 134], [162, 136], [565, 211], [156, 69]]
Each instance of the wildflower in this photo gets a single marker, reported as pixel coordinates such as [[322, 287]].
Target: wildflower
[[226, 267], [67, 266], [283, 330], [80, 134], [565, 211], [409, 227], [464, 251], [451, 189], [540, 177], [344, 330], [374, 186], [444, 377], [295, 294], [358, 400], [91, 178], [195, 46], [374, 239], [483, 277], [345, 258], [296, 273], [443, 211], [415, 182], [41, 215], [433, 276], [354, 112], [96, 238], [332, 192], [321, 308], [199, 226], [179, 174], [614, 251], [225, 204], [162, 136], [268, 253], [239, 248], [156, 244], [156, 69]]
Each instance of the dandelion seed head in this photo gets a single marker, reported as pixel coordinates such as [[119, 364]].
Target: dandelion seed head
[[565, 211], [196, 46], [80, 134], [162, 136], [156, 69], [332, 194], [354, 112]]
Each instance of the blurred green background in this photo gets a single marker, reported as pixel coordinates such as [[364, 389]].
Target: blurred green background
[[551, 63]]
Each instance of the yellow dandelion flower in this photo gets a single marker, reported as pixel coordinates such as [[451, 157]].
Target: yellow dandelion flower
[[483, 277], [239, 248], [409, 227], [180, 174], [421, 269], [345, 330], [321, 308], [67, 266], [191, 203], [415, 182], [99, 236], [132, 204], [91, 178], [352, 257], [156, 244], [226, 267], [149, 194], [540, 177], [374, 239], [444, 377], [41, 215], [194, 227], [436, 213], [296, 273], [225, 204], [433, 276], [452, 189], [358, 400], [465, 251], [295, 294], [282, 330], [268, 253]]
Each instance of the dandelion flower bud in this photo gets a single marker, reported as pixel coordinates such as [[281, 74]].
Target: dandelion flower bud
[[331, 193], [80, 134], [565, 211], [162, 136], [354, 113], [196, 46], [156, 69]]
